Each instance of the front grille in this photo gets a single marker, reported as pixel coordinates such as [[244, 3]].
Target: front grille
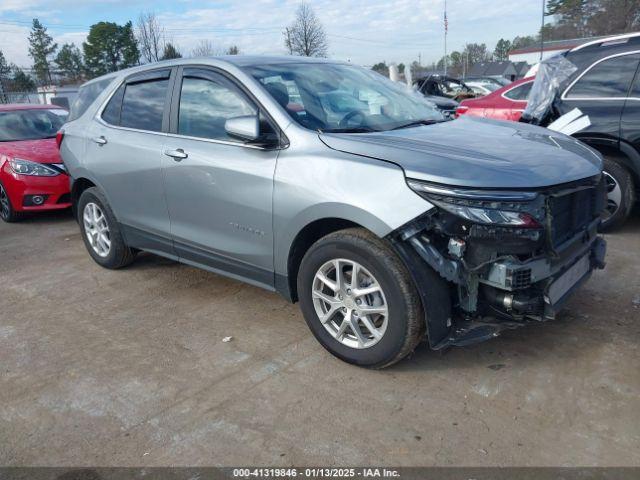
[[573, 211]]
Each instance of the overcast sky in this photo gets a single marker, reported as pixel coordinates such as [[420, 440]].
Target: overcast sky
[[362, 31]]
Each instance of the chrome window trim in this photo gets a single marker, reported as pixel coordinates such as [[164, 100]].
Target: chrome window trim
[[128, 129], [186, 137], [567, 90], [507, 91], [221, 142]]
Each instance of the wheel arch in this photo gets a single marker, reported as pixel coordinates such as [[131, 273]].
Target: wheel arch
[[78, 186], [306, 236], [625, 152]]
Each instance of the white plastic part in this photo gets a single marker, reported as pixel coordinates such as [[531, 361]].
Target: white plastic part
[[565, 120], [571, 122], [394, 76]]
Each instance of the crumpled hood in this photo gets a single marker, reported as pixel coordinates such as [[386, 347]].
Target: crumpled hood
[[477, 152], [40, 151]]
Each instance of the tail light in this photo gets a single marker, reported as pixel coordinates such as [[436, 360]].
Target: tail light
[[461, 110], [59, 137]]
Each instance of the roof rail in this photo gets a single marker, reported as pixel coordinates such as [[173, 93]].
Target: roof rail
[[606, 40]]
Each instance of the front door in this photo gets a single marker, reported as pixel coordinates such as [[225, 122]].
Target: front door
[[219, 188]]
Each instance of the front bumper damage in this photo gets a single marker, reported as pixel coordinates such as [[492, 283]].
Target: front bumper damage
[[500, 277]]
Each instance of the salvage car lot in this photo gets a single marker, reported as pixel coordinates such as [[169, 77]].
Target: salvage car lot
[[128, 367]]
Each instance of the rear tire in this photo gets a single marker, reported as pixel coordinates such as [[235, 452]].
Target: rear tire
[[369, 338], [7, 213], [101, 232], [620, 194]]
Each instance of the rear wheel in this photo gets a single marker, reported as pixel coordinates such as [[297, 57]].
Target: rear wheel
[[359, 300], [620, 194], [7, 213], [101, 232]]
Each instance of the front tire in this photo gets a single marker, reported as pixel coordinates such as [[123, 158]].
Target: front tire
[[373, 319], [7, 213], [620, 195], [101, 232]]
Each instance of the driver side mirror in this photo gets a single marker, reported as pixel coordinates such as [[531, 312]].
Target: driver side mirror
[[246, 127]]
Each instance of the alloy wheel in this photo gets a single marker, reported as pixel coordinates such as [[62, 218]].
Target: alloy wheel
[[5, 207], [96, 229], [350, 303], [614, 196]]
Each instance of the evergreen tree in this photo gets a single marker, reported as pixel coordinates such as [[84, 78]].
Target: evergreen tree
[[41, 47], [501, 52], [21, 82], [110, 47], [69, 61]]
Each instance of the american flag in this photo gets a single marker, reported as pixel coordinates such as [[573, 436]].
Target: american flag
[[446, 22]]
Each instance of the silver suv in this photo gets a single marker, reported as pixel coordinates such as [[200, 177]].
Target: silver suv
[[339, 189]]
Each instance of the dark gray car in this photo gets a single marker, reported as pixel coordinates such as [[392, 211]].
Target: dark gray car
[[341, 190]]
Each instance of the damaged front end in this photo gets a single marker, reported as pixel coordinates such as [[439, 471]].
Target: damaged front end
[[508, 257]]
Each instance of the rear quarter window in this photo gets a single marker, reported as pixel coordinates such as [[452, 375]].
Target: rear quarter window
[[519, 93], [86, 96]]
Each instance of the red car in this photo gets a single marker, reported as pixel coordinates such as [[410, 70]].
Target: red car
[[506, 103], [32, 175]]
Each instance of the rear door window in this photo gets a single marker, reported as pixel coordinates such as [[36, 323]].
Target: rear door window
[[143, 105], [86, 96], [610, 78]]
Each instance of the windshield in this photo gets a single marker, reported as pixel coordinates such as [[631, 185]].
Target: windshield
[[30, 124], [341, 98]]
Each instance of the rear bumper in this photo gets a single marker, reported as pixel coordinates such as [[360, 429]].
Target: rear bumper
[[21, 188]]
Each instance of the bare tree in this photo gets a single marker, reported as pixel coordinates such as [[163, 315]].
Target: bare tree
[[306, 35], [203, 49], [151, 37]]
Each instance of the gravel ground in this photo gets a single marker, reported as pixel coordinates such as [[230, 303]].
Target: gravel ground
[[129, 368]]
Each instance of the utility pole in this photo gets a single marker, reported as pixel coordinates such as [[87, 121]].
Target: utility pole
[[542, 30], [446, 28]]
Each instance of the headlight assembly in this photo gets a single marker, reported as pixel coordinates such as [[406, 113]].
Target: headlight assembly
[[25, 167], [489, 207]]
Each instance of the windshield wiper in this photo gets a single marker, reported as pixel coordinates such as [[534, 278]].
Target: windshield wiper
[[417, 123]]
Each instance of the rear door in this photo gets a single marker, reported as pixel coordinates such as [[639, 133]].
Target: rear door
[[219, 190], [600, 92], [125, 154]]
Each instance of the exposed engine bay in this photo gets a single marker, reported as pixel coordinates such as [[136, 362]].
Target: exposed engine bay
[[508, 257]]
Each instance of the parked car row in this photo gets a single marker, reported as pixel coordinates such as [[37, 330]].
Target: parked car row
[[595, 87], [32, 176]]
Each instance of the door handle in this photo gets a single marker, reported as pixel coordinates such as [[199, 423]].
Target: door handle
[[100, 140], [178, 154]]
